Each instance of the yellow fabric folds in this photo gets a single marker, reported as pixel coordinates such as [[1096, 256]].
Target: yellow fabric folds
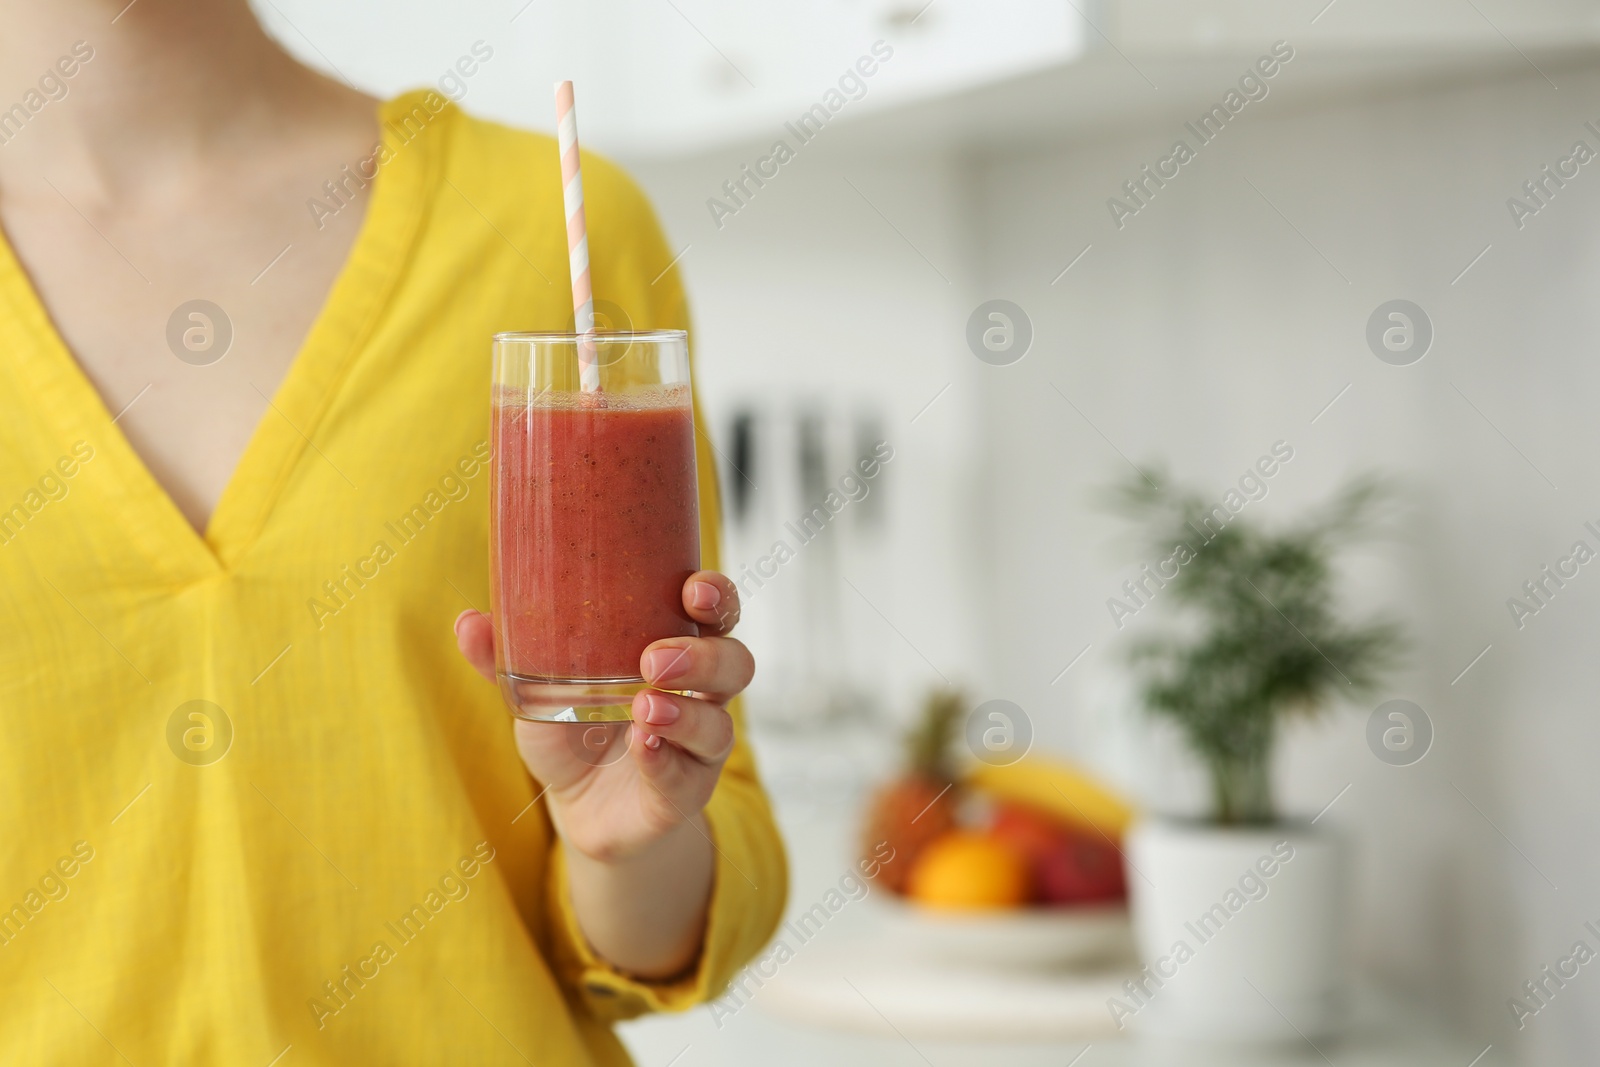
[[254, 799]]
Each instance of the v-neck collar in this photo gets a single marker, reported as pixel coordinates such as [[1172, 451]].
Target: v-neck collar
[[149, 518]]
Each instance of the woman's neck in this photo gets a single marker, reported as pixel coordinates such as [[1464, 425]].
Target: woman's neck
[[157, 89]]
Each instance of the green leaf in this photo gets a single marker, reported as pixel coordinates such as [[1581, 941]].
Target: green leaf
[[1262, 636]]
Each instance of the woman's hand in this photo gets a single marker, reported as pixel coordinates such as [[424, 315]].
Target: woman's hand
[[615, 789]]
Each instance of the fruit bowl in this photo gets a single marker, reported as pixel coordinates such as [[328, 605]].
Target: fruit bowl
[[1034, 938]]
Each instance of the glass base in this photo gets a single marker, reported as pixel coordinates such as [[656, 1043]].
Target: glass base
[[569, 699]]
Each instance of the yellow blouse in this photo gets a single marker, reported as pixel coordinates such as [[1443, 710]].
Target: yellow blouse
[[255, 803]]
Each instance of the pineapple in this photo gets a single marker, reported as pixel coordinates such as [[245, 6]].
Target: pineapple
[[912, 810]]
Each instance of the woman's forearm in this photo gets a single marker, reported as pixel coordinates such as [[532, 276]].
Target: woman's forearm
[[646, 914]]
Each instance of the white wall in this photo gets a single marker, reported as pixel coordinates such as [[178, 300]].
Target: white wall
[[1206, 329]]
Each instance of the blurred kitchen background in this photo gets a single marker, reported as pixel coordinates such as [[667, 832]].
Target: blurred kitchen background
[[1227, 313]]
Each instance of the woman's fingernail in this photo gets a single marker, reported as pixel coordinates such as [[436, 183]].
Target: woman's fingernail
[[460, 619], [704, 596], [660, 711], [665, 664], [652, 741]]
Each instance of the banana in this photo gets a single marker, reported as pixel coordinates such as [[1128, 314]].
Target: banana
[[1059, 789]]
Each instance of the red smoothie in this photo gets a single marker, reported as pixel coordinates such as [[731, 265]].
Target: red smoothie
[[596, 527]]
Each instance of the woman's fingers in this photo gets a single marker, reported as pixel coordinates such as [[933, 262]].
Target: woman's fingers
[[718, 668], [699, 727], [475, 638], [712, 600]]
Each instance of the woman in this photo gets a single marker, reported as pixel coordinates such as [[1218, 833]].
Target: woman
[[258, 805]]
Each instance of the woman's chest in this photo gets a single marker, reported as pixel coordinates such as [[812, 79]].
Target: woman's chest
[[184, 321]]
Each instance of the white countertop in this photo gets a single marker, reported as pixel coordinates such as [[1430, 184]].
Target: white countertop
[[854, 993], [1386, 1037]]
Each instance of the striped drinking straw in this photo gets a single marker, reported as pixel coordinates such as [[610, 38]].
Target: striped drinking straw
[[577, 237]]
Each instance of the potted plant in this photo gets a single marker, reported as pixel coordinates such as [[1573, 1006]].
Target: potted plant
[[1239, 916]]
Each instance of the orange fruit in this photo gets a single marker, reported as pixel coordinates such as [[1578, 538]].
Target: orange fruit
[[965, 870]]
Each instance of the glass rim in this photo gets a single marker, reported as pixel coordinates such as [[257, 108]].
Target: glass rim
[[601, 336]]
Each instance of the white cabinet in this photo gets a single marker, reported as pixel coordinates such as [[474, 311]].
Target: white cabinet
[[666, 77], [711, 71], [659, 78]]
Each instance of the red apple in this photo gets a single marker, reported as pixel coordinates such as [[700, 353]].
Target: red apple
[[1068, 865]]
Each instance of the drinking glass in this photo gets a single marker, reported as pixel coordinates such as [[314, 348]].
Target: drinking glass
[[594, 516]]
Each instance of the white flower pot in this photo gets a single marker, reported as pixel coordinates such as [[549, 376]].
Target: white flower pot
[[1241, 933]]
